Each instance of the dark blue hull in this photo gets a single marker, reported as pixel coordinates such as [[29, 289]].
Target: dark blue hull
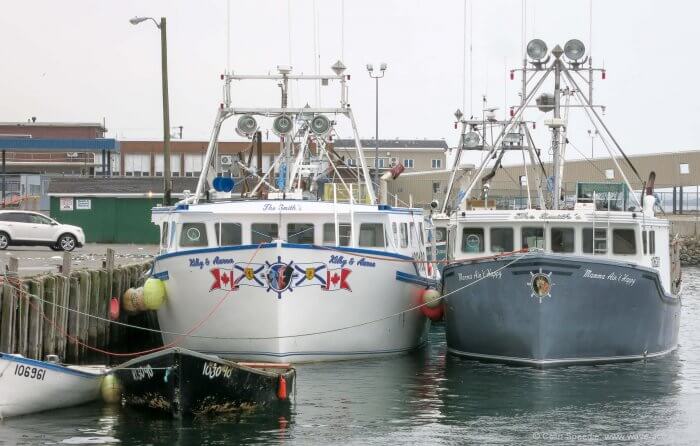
[[548, 309]]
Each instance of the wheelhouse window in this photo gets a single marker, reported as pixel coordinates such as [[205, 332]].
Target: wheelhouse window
[[300, 233], [228, 234], [562, 239], [420, 231], [395, 232], [372, 235], [343, 234], [601, 241], [412, 233], [501, 239], [404, 235], [472, 240], [651, 244], [532, 238], [440, 235], [263, 232], [193, 235], [164, 234], [624, 242]]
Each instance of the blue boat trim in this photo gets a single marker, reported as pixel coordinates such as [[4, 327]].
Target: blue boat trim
[[163, 275], [342, 249], [417, 280], [48, 366]]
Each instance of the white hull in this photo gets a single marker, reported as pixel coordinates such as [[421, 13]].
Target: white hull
[[380, 286], [29, 386]]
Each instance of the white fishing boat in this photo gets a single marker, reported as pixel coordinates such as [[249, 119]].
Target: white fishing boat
[[307, 266], [28, 386]]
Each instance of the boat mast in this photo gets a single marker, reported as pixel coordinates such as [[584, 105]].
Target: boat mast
[[556, 129]]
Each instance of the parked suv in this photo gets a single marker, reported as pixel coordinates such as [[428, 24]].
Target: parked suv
[[32, 228]]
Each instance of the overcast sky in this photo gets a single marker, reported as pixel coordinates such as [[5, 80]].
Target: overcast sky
[[83, 61]]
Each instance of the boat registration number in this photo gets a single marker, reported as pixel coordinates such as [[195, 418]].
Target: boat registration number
[[30, 372]]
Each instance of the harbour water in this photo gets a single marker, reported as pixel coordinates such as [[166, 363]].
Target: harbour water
[[427, 397]]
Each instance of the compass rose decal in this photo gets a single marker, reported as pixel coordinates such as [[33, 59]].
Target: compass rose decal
[[540, 285]]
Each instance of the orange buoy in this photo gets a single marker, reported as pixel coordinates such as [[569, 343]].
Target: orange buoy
[[282, 388], [114, 309]]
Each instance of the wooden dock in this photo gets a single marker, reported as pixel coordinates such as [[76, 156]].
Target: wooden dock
[[52, 314]]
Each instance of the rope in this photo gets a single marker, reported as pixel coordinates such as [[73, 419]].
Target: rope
[[187, 334]]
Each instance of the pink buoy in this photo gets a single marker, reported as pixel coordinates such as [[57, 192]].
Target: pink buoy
[[114, 309]]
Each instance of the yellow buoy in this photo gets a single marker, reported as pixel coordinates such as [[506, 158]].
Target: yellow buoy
[[431, 298], [111, 389], [153, 293]]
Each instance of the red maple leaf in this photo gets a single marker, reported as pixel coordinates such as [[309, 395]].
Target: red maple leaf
[[225, 279], [335, 279]]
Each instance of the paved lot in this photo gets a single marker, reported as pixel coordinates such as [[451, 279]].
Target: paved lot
[[36, 259]]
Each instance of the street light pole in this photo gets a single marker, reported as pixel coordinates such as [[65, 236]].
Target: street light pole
[[167, 182], [167, 186], [376, 76]]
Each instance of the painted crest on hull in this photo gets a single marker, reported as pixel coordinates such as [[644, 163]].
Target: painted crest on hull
[[279, 277], [540, 285]]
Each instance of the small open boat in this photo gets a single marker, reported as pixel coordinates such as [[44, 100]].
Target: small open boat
[[29, 386], [183, 382]]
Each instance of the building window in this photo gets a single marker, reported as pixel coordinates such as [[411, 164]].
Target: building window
[[343, 234], [501, 239], [372, 235], [193, 234], [684, 168], [436, 164], [228, 234], [472, 240], [562, 239], [532, 238], [350, 162], [137, 164], [159, 168], [263, 232], [193, 164], [408, 164], [609, 174], [436, 187], [624, 242], [300, 233]]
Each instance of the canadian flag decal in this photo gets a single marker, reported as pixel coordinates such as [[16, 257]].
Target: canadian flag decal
[[336, 279], [223, 280]]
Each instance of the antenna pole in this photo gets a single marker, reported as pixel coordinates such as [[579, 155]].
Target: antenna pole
[[556, 136]]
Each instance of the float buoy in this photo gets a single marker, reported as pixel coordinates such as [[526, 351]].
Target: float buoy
[[110, 389], [282, 388], [114, 309], [133, 301], [431, 304], [153, 293]]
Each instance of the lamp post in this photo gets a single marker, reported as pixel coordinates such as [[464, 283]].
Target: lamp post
[[167, 183], [376, 76]]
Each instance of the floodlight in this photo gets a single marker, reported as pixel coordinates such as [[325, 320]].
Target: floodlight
[[537, 49], [282, 125], [574, 49], [320, 125], [247, 125], [284, 69], [382, 66], [470, 140]]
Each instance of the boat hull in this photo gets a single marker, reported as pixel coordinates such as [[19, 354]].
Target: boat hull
[[180, 382], [303, 317], [29, 386], [548, 309]]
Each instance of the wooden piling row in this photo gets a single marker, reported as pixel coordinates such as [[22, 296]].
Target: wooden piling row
[[47, 314]]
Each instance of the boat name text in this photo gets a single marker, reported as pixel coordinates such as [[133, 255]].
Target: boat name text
[[480, 274], [343, 261], [612, 277], [269, 207], [214, 370], [141, 373], [30, 372]]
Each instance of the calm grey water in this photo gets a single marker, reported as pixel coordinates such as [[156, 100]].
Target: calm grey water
[[427, 397]]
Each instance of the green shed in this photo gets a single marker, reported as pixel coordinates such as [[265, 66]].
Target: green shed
[[111, 210]]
